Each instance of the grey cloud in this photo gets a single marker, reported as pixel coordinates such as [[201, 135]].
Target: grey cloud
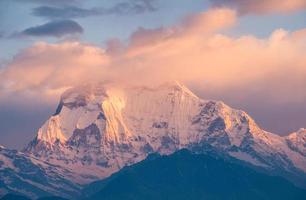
[[71, 11], [50, 2], [132, 7], [57, 28], [65, 12]]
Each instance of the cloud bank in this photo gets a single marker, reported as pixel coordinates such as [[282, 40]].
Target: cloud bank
[[265, 72], [263, 6]]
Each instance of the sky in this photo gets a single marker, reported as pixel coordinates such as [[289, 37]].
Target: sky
[[251, 54]]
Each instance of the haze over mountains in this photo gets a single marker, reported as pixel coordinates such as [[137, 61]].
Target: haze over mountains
[[101, 128]]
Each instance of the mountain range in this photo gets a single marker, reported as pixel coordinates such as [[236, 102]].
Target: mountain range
[[100, 129]]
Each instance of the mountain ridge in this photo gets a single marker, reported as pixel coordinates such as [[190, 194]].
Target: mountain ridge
[[186, 175]]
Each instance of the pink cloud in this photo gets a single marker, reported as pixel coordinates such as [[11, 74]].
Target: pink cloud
[[49, 67], [263, 6]]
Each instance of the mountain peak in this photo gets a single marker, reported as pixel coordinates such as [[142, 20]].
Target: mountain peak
[[176, 85], [81, 106]]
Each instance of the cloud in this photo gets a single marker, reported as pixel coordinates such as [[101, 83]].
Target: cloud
[[266, 72], [52, 12], [269, 68], [57, 66], [72, 11], [262, 7], [132, 7], [198, 25], [47, 69], [50, 2], [57, 28]]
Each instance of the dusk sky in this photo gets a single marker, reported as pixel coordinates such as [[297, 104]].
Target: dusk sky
[[250, 54]]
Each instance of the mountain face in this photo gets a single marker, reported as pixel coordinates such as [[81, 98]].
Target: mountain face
[[99, 129], [184, 175]]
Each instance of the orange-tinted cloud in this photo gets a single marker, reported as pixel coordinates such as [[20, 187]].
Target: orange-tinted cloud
[[49, 68], [193, 51], [263, 6]]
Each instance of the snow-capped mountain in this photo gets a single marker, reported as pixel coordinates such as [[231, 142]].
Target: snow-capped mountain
[[98, 129]]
